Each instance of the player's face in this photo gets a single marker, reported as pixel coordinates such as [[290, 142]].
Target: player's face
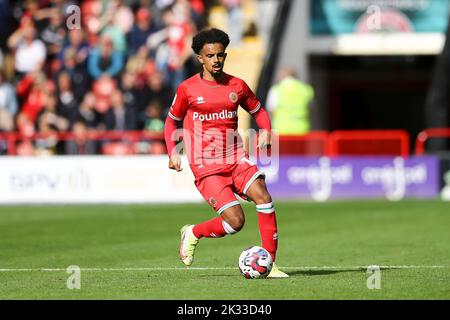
[[212, 57]]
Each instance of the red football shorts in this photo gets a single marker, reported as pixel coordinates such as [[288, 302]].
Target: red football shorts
[[220, 190]]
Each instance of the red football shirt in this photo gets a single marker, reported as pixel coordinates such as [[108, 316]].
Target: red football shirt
[[208, 110]]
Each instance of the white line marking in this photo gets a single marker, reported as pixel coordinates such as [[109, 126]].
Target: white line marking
[[304, 268]]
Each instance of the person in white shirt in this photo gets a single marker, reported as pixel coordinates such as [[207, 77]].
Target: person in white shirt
[[30, 53]]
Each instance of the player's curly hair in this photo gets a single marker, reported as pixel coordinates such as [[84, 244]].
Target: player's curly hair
[[209, 36]]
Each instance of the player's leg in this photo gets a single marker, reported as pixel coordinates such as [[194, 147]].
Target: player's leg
[[218, 193], [267, 222], [230, 220]]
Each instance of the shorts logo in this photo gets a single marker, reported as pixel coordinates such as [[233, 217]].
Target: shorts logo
[[213, 202], [233, 97]]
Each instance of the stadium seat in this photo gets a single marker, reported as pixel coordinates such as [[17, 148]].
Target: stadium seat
[[369, 142]]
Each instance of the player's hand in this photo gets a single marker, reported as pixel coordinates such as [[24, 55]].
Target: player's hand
[[175, 163], [264, 139]]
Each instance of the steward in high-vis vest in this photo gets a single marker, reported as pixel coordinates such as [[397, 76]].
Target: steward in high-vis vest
[[288, 103]]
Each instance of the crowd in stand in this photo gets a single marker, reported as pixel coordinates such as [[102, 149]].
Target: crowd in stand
[[116, 70]]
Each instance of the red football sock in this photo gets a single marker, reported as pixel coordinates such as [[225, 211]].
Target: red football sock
[[214, 228], [267, 223]]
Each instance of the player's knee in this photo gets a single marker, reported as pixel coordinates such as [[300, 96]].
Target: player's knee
[[259, 193], [234, 218], [237, 222], [263, 198]]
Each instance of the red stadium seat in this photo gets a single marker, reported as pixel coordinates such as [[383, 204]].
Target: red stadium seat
[[310, 144], [369, 142]]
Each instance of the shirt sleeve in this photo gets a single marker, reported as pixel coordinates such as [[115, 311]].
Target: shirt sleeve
[[179, 105], [170, 127], [249, 101]]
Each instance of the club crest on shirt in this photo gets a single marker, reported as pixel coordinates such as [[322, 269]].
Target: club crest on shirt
[[233, 97]]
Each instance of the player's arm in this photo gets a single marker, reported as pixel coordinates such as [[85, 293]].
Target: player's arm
[[176, 113], [252, 105], [170, 127], [263, 121]]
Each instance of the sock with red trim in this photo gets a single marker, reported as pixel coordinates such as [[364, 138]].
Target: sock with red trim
[[267, 223], [214, 228]]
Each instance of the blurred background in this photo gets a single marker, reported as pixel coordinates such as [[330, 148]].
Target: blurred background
[[338, 77]]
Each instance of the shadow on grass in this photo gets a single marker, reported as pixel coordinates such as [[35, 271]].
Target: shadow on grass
[[324, 272], [319, 272]]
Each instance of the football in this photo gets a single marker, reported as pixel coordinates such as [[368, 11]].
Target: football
[[255, 262]]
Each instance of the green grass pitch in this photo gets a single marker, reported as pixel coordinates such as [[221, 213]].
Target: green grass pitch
[[131, 252]]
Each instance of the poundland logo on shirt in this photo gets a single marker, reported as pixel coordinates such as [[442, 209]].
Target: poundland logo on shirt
[[224, 114]]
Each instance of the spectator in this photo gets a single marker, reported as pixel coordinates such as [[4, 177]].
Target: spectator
[[141, 30], [119, 117], [172, 56], [105, 60], [155, 89], [198, 13], [54, 34], [155, 7], [123, 16], [79, 77], [29, 12], [235, 21], [152, 117], [90, 15], [113, 28], [80, 145], [102, 89], [288, 104], [33, 88], [8, 104], [152, 122], [86, 112], [26, 129], [47, 141], [49, 119], [76, 43], [128, 87], [30, 53], [141, 65], [67, 101]]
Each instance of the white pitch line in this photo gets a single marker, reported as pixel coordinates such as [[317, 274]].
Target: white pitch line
[[304, 268]]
